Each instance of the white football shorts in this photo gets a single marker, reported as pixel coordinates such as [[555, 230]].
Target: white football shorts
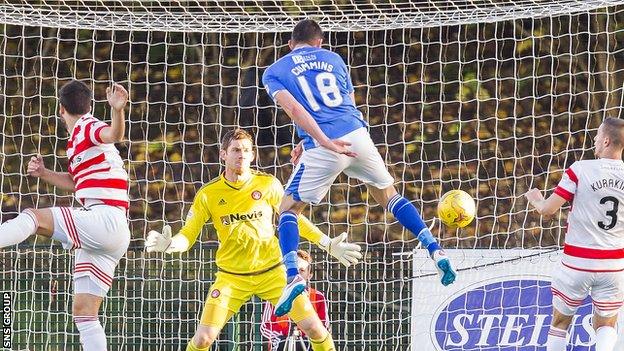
[[318, 168], [100, 236], [570, 287]]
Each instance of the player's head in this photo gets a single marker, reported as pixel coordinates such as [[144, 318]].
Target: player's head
[[237, 150], [306, 32], [304, 264], [75, 99], [609, 141]]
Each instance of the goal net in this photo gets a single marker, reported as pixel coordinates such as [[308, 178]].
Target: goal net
[[489, 96]]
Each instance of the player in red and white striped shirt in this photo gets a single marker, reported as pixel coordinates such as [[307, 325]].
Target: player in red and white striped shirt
[[99, 231], [593, 255]]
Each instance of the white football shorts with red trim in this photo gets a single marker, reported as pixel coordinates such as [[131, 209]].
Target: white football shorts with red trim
[[100, 236], [570, 287]]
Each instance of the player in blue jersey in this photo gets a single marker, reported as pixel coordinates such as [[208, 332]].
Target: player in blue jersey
[[314, 88]]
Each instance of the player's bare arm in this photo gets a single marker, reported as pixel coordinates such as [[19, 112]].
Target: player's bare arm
[[296, 152], [302, 118], [36, 168], [117, 97], [545, 207]]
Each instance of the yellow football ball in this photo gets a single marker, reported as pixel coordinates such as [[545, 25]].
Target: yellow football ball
[[456, 208]]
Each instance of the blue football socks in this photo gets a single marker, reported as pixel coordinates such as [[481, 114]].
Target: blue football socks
[[289, 242], [408, 216]]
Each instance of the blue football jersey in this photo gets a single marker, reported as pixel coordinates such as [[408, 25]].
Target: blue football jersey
[[320, 81]]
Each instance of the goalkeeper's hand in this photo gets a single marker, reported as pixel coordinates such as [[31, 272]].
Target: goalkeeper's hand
[[163, 242], [347, 253]]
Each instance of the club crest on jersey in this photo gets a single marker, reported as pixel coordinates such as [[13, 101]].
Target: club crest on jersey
[[225, 220], [297, 59], [215, 293], [256, 195]]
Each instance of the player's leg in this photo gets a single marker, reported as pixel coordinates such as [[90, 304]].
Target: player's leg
[[569, 288], [93, 277], [558, 332], [88, 297], [314, 174], [406, 213], [28, 222], [288, 230], [101, 237], [320, 337], [308, 184], [212, 321], [370, 169], [606, 334], [302, 311], [608, 297], [227, 294]]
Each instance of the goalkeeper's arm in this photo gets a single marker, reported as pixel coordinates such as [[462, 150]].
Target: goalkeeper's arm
[[195, 221], [346, 253], [164, 242]]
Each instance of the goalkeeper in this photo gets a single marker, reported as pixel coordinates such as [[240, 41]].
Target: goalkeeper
[[241, 203]]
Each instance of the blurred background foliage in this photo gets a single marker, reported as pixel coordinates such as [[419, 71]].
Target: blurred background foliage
[[490, 108]]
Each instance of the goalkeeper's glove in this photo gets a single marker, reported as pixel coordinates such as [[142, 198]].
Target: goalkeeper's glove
[[347, 253], [163, 242]]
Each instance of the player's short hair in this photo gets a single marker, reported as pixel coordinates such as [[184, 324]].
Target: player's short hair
[[304, 255], [306, 31], [75, 97], [614, 128], [234, 134]]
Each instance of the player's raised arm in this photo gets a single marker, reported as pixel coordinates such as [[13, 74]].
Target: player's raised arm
[[117, 98]]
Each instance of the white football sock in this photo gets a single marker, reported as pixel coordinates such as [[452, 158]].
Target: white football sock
[[18, 229], [606, 338], [556, 339], [92, 335]]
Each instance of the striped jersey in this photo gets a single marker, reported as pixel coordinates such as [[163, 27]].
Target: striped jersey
[[96, 168], [594, 240]]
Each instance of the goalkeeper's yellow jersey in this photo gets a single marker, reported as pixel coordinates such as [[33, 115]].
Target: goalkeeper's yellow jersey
[[242, 214]]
